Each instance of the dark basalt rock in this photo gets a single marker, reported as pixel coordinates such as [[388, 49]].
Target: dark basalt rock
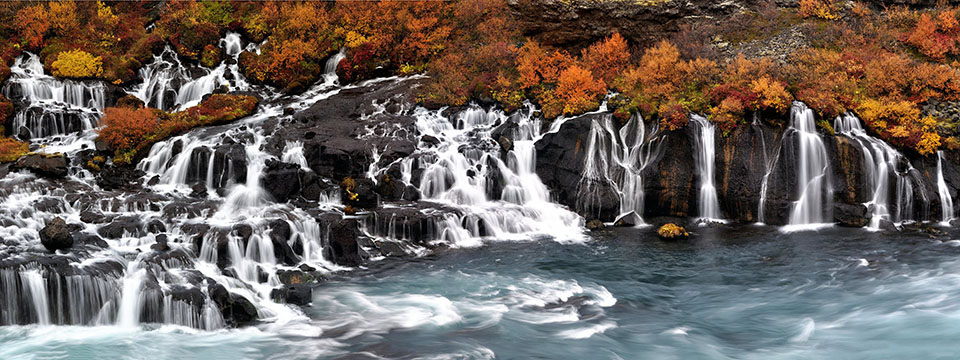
[[280, 233], [741, 162], [161, 244], [560, 158], [293, 294], [595, 225], [281, 180], [119, 177], [91, 216], [363, 195], [56, 236], [124, 224], [50, 166], [343, 248], [198, 191], [338, 141], [850, 215]]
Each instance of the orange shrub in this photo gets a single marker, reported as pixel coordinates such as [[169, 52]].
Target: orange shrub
[[608, 58], [33, 23], [11, 149], [673, 116], [935, 38], [823, 9], [577, 91], [125, 128], [537, 66]]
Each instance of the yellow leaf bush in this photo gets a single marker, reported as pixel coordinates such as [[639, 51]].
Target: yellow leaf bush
[[77, 64]]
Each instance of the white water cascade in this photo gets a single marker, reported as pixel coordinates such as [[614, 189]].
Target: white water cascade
[[946, 200], [51, 106], [880, 162], [169, 85], [461, 171], [813, 187], [614, 159], [704, 145]]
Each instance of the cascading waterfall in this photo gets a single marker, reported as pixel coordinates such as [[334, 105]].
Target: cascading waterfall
[[460, 171], [614, 160], [169, 85], [812, 164], [946, 200], [881, 164], [51, 106], [704, 154]]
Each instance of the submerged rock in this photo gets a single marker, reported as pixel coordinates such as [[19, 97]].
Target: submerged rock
[[56, 235]]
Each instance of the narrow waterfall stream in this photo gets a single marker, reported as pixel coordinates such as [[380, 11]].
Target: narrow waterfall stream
[[704, 153], [882, 163], [813, 186], [946, 201], [614, 159]]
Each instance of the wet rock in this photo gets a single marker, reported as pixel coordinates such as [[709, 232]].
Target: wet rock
[[161, 244], [156, 226], [49, 205], [359, 193], [239, 310], [198, 191], [229, 164], [119, 177], [122, 226], [560, 159], [429, 141], [51, 166], [343, 242], [595, 225], [671, 231], [293, 294], [850, 215], [628, 219], [91, 216], [55, 235], [505, 144], [280, 233], [84, 239], [281, 180]]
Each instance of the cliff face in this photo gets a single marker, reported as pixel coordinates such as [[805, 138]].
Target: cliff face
[[577, 23], [756, 171]]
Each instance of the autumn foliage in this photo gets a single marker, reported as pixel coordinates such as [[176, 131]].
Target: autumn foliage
[[77, 64], [128, 130], [125, 128]]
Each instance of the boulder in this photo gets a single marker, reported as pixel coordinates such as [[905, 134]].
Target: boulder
[[359, 193], [343, 247], [281, 180], [56, 236], [671, 232], [850, 215], [595, 225], [50, 166], [293, 294]]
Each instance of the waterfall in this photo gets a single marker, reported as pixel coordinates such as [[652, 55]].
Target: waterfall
[[812, 164], [38, 293], [946, 201], [169, 85], [704, 154], [51, 106], [880, 165], [614, 160], [462, 171]]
